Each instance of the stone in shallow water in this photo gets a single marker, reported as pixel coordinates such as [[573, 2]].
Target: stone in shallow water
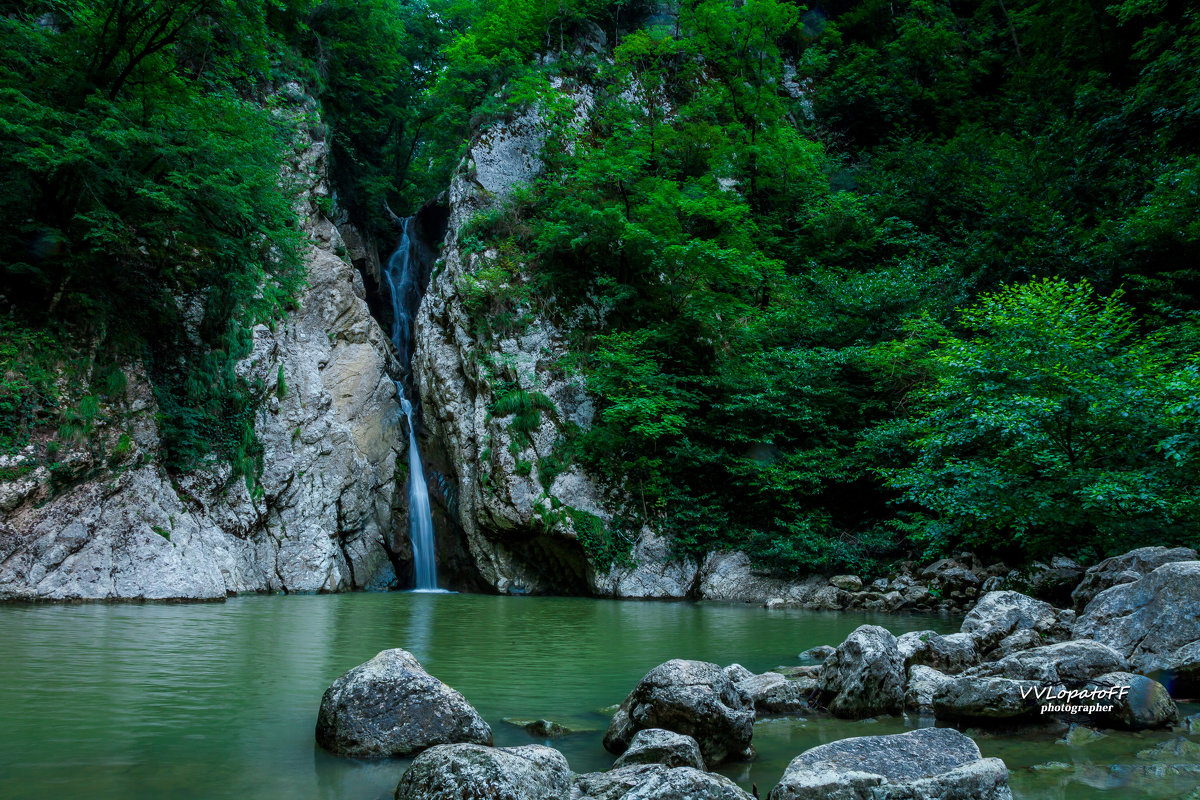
[[690, 697], [655, 782], [459, 771], [1080, 735], [1146, 705], [925, 764], [390, 706], [656, 746], [865, 676]]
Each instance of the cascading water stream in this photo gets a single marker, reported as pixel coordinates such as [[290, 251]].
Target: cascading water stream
[[402, 274]]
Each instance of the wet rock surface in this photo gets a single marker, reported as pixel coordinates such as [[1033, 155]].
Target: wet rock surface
[[865, 676], [695, 698], [1147, 620], [656, 782], [458, 771], [390, 706], [658, 746], [925, 764]]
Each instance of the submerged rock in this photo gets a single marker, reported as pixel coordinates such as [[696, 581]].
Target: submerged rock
[[655, 782], [541, 728], [1149, 620], [925, 764], [657, 746], [865, 676], [390, 706], [695, 698], [1126, 568], [818, 653], [459, 771]]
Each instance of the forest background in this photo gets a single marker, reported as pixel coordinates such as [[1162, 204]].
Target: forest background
[[873, 279]]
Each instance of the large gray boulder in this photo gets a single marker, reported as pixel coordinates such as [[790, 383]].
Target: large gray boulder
[[655, 782], [865, 676], [695, 698], [1147, 704], [1126, 568], [1147, 620], [950, 654], [460, 771], [925, 764], [390, 706], [1065, 662], [656, 746], [966, 697], [1000, 614]]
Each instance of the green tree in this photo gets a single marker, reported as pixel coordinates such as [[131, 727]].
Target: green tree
[[1050, 428]]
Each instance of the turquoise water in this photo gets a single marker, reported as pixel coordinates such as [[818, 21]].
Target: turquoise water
[[219, 700]]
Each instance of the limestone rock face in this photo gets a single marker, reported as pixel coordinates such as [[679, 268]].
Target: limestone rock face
[[1126, 568], [695, 698], [325, 518], [655, 782], [1147, 620], [657, 746], [865, 676], [457, 771], [390, 706], [730, 576], [925, 764], [1002, 613], [523, 511]]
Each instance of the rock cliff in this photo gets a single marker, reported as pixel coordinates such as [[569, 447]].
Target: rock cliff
[[326, 518], [525, 524]]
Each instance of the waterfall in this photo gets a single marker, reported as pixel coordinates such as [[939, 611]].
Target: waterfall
[[403, 276]]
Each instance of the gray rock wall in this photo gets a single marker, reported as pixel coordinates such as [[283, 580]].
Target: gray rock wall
[[329, 499]]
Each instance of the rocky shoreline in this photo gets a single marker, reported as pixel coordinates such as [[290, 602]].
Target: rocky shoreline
[[1017, 665]]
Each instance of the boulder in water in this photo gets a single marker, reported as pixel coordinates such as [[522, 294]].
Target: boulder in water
[[1125, 568], [458, 771], [999, 614], [695, 698], [950, 654], [966, 697], [1149, 620], [925, 764], [656, 782], [865, 676], [390, 706], [656, 746], [1147, 704], [1065, 662]]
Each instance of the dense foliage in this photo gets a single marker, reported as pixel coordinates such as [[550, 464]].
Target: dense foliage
[[778, 214], [848, 281]]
